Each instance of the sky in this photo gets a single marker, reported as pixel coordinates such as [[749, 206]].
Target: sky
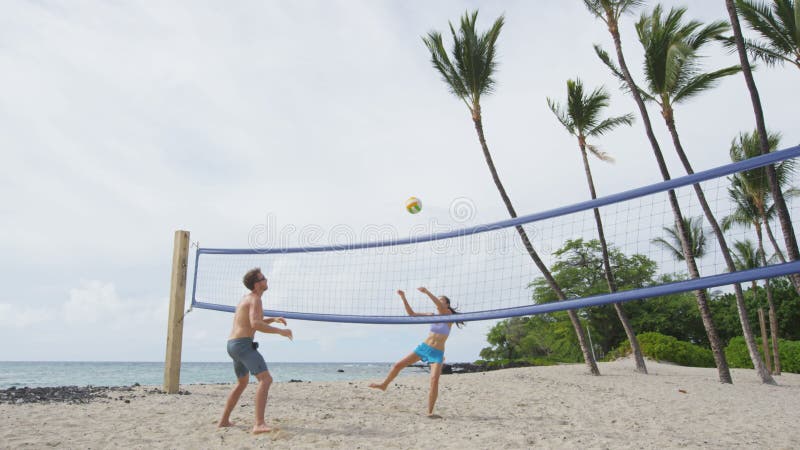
[[121, 122]]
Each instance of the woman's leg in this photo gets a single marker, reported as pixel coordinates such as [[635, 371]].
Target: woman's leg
[[396, 368], [436, 371]]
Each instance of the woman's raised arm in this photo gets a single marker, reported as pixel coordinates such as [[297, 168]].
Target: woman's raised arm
[[435, 299]]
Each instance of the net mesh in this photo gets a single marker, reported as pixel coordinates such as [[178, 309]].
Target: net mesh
[[481, 269]]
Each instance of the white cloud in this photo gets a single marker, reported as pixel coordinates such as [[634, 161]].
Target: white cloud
[[22, 317], [97, 302], [129, 120], [93, 301]]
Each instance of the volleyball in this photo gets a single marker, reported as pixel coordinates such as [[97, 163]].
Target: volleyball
[[413, 205]]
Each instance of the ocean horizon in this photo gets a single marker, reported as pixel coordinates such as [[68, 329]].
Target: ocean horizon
[[18, 374]]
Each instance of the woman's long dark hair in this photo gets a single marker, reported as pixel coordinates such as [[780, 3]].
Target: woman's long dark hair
[[453, 310]]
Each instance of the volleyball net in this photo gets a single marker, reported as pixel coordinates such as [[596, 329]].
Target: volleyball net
[[486, 270]]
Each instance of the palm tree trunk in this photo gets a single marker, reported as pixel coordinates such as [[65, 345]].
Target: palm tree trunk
[[609, 274], [794, 278], [777, 196], [702, 300], [749, 338], [573, 317], [763, 325], [775, 245], [773, 319]]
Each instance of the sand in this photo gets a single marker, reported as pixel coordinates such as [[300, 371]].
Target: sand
[[535, 407]]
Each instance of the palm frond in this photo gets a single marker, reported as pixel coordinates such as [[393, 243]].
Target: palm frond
[[561, 115], [603, 55], [671, 47], [757, 51], [745, 255], [703, 82], [677, 253], [489, 49], [696, 235], [788, 12], [708, 33], [779, 26], [581, 116], [606, 59], [747, 145], [599, 154], [468, 70], [615, 8], [611, 123], [760, 18], [746, 212], [441, 62]]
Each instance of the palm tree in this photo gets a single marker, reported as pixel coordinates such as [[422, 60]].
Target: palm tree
[[756, 181], [747, 213], [581, 119], [469, 75], [777, 24], [610, 11], [673, 75], [750, 193], [697, 239], [747, 256], [784, 218]]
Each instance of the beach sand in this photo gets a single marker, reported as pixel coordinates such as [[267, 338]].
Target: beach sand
[[534, 407]]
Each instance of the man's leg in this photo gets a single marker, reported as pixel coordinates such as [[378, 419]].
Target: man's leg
[[396, 368], [233, 398], [264, 381]]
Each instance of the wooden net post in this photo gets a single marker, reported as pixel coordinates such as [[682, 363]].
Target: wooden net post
[[177, 300]]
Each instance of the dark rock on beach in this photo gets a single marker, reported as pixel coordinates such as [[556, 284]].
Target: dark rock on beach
[[60, 394], [73, 394], [455, 368]]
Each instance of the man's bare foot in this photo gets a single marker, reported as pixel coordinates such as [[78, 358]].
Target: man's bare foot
[[378, 386], [258, 429], [226, 423]]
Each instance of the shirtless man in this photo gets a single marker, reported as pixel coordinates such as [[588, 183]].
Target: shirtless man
[[248, 319]]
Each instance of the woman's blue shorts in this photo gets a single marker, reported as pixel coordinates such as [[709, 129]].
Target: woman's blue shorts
[[429, 354]]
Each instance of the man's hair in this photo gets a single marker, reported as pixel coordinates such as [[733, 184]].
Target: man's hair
[[250, 278]]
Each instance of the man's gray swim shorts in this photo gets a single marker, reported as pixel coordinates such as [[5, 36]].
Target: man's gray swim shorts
[[245, 357]]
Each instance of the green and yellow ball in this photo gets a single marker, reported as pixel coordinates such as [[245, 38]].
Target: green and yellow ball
[[413, 205]]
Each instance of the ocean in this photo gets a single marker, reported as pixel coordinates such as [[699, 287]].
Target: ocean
[[49, 373]]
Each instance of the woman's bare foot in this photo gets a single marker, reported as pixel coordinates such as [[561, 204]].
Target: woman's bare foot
[[263, 428], [223, 424], [378, 386], [434, 416]]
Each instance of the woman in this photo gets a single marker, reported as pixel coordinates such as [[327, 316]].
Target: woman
[[430, 351]]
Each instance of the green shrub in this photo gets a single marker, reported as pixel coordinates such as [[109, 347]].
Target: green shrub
[[520, 362], [738, 356], [666, 348], [789, 352]]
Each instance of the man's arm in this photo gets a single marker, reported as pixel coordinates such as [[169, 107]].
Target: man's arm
[[257, 321]]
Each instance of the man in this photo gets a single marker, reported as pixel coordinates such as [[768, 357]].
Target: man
[[248, 319]]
